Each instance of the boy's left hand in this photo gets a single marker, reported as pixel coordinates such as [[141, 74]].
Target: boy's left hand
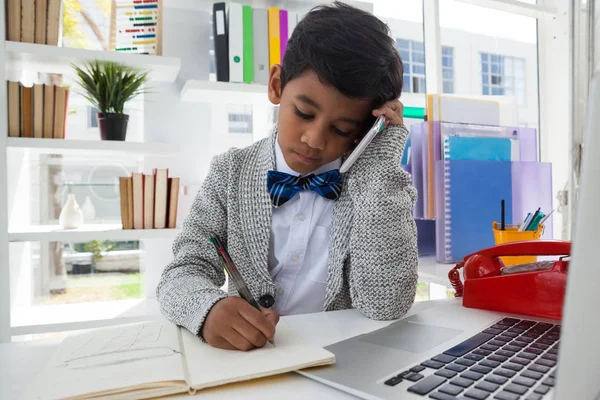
[[392, 111]]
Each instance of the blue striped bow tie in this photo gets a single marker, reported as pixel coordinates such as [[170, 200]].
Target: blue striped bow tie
[[282, 187]]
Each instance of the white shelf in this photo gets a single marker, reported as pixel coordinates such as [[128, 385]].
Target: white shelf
[[65, 317], [433, 272], [88, 232], [222, 92], [92, 147], [52, 59]]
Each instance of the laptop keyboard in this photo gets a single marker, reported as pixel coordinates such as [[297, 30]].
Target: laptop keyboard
[[513, 359]]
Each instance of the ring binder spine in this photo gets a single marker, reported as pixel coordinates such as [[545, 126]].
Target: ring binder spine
[[447, 202]]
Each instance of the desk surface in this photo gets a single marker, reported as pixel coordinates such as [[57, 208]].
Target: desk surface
[[21, 362]]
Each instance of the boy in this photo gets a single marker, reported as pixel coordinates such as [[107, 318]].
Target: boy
[[304, 238]]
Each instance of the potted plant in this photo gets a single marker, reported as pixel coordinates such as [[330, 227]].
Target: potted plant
[[108, 86]]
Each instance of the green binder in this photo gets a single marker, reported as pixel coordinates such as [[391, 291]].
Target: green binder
[[248, 44]]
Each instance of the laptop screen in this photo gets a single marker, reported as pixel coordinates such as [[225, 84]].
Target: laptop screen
[[579, 354]]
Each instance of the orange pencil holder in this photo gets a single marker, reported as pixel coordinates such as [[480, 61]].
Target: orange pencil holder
[[511, 234]]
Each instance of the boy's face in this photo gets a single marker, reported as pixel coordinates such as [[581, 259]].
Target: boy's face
[[317, 123]]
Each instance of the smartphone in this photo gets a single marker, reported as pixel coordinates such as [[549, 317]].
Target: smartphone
[[362, 145]]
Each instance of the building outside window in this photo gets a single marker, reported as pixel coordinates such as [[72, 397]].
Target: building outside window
[[503, 75], [448, 69], [413, 57], [412, 53]]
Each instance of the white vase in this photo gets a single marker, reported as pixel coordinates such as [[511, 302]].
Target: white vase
[[71, 216], [88, 209]]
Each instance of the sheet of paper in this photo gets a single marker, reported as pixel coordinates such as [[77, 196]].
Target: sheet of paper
[[209, 366], [465, 110], [111, 358]]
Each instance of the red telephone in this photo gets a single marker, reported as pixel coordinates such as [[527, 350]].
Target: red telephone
[[490, 285]]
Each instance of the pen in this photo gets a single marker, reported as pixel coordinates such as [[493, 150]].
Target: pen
[[233, 273], [537, 212], [546, 217], [525, 222]]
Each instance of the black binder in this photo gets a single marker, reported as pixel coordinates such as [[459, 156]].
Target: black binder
[[221, 38]]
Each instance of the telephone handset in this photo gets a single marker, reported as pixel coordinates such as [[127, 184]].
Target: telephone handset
[[362, 145], [488, 284]]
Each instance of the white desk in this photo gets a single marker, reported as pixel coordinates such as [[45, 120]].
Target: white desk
[[21, 362]]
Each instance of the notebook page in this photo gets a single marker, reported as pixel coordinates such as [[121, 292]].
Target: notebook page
[[112, 358], [209, 366]]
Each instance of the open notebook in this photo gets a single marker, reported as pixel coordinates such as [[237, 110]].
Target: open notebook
[[152, 359]]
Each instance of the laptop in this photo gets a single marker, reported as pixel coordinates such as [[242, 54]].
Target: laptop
[[452, 352]]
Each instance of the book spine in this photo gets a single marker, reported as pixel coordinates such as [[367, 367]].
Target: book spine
[[274, 39], [13, 20], [236, 46], [283, 32], [248, 44], [220, 35], [260, 32]]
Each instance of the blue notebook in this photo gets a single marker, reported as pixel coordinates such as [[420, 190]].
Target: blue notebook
[[477, 148], [473, 193]]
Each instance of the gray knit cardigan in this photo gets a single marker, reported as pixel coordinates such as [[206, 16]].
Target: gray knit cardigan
[[373, 243]]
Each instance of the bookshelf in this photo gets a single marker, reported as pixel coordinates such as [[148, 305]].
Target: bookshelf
[[112, 232], [15, 319], [66, 317], [52, 59], [92, 147]]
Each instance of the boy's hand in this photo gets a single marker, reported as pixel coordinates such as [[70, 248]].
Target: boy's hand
[[233, 324], [392, 111]]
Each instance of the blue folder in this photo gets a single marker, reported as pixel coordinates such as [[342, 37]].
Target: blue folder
[[475, 190], [477, 148]]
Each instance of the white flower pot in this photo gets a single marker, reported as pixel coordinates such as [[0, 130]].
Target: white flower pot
[[71, 216]]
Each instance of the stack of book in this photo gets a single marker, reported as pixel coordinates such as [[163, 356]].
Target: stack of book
[[39, 111], [149, 201], [34, 21], [249, 41], [135, 26]]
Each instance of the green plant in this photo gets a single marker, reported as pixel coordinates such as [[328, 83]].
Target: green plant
[[109, 85], [98, 248]]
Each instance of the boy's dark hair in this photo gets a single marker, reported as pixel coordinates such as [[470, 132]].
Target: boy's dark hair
[[349, 49]]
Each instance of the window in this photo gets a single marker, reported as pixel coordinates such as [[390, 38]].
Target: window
[[92, 117], [239, 118], [413, 56], [503, 75], [448, 69]]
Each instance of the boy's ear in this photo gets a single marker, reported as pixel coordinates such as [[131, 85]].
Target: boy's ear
[[274, 88]]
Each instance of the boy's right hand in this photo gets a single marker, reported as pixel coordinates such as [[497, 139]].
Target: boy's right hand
[[233, 324]]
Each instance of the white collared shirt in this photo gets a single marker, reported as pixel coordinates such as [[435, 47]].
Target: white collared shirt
[[299, 246]]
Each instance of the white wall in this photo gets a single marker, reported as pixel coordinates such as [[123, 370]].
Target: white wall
[[597, 37]]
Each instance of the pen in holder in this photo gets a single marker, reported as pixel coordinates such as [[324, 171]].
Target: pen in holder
[[510, 234]]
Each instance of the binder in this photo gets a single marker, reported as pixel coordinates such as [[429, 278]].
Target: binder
[[274, 39], [248, 44], [236, 43], [470, 193], [260, 36], [221, 42], [416, 166], [283, 32], [454, 109]]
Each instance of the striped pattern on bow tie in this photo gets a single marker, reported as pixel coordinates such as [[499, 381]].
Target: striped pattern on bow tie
[[282, 187]]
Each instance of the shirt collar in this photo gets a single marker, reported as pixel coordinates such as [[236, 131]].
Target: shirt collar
[[281, 165]]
